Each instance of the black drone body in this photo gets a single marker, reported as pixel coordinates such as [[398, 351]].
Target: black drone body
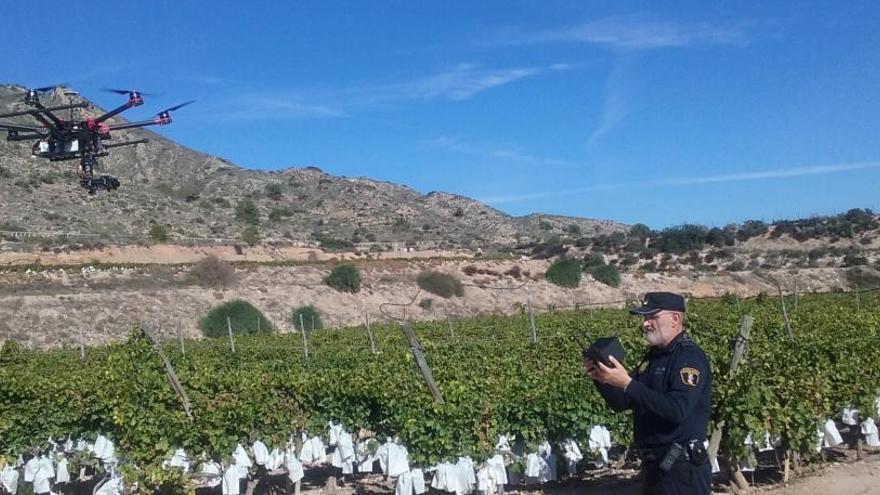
[[57, 139]]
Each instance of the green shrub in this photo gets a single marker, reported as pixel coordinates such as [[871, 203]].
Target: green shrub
[[736, 266], [344, 278], [251, 235], [400, 224], [426, 303], [565, 273], [640, 231], [441, 284], [311, 318], [159, 232], [607, 274], [332, 244], [681, 239], [211, 271], [274, 191], [247, 212], [593, 259], [242, 315], [862, 277], [279, 213]]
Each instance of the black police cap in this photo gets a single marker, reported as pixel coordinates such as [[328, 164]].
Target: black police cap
[[658, 301]]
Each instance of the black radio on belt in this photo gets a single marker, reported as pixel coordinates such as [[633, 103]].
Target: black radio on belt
[[603, 348]]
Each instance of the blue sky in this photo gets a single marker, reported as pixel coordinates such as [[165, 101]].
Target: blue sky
[[654, 112]]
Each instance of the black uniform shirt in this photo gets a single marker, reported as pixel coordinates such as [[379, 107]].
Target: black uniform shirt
[[670, 394]]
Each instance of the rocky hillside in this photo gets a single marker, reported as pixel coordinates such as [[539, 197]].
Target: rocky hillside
[[191, 194]]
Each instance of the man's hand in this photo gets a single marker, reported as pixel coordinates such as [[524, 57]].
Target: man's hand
[[614, 375]]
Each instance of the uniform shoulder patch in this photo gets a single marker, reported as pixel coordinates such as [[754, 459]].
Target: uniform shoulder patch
[[690, 376], [643, 367]]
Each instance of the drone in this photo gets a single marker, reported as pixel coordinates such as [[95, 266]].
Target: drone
[[86, 139]]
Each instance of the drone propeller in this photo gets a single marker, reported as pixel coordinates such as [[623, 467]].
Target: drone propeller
[[164, 117], [127, 92], [176, 107], [45, 89]]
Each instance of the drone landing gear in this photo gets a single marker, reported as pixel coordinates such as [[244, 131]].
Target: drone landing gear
[[88, 180]]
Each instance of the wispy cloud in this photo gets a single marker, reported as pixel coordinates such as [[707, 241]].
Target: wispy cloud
[[642, 32], [686, 181], [458, 83], [205, 79], [255, 107], [614, 106], [508, 153], [465, 81]]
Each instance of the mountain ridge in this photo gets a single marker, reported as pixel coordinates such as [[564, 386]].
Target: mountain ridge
[[194, 194]]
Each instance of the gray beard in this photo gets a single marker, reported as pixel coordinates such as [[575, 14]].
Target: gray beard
[[654, 338]]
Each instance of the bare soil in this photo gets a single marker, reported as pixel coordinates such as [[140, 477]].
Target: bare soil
[[53, 307]]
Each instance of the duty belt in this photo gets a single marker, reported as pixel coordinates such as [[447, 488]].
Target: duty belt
[[689, 450], [655, 454]]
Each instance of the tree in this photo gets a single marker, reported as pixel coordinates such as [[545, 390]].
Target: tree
[[344, 278]]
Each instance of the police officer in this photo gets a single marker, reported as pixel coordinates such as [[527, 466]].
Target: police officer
[[670, 393]]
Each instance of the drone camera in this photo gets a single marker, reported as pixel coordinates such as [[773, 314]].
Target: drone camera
[[104, 182]]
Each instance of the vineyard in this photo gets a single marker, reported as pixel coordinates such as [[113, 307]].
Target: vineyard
[[493, 378]]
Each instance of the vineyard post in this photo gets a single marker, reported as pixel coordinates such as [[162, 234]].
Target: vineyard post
[[169, 370], [298, 444], [82, 344], [785, 314], [370, 333], [331, 485], [422, 363], [590, 306], [302, 330], [532, 322], [231, 338], [180, 338], [745, 329], [258, 325], [858, 300], [797, 296], [449, 323]]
